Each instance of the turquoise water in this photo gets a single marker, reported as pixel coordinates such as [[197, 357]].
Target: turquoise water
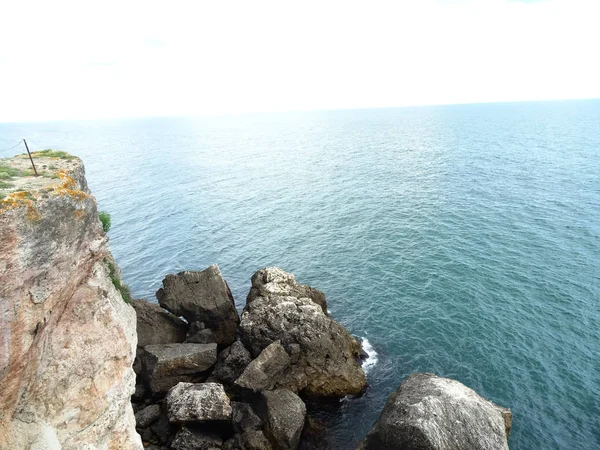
[[460, 240]]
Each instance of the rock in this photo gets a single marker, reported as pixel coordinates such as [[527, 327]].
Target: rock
[[264, 371], [324, 355], [243, 418], [283, 414], [200, 334], [147, 416], [166, 364], [249, 440], [189, 402], [157, 326], [433, 413], [67, 338], [192, 439], [274, 281], [202, 297], [140, 393], [162, 428], [231, 363]]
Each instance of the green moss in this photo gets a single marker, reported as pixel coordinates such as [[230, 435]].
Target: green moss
[[105, 219], [120, 286], [49, 153]]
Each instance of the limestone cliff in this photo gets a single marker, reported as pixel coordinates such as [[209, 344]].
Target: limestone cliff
[[67, 337]]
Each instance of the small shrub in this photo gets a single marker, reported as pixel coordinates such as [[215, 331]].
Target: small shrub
[[121, 287], [105, 219]]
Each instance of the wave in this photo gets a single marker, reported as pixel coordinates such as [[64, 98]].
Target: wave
[[371, 360]]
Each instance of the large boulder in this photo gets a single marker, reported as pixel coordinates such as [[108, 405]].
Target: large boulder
[[322, 352], [264, 371], [283, 413], [274, 281], [202, 297], [157, 326], [166, 364], [231, 363], [433, 413], [197, 402]]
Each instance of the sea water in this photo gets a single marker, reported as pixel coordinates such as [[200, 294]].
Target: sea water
[[458, 240]]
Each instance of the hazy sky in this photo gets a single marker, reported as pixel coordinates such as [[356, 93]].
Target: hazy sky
[[82, 59]]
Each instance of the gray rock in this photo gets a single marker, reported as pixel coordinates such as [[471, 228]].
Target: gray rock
[[199, 334], [231, 363], [283, 413], [140, 393], [191, 439], [433, 413], [157, 326], [243, 418], [166, 364], [324, 355], [202, 297], [274, 281], [147, 416], [264, 371], [162, 429], [249, 440], [197, 402]]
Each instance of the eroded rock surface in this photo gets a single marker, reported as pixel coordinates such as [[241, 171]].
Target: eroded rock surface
[[67, 338], [433, 413], [202, 297], [274, 281], [157, 326], [197, 402]]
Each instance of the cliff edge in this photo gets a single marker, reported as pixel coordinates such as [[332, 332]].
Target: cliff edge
[[67, 337]]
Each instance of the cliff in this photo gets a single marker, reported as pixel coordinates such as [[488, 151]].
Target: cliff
[[67, 337]]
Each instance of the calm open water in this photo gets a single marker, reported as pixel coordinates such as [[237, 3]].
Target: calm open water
[[460, 240]]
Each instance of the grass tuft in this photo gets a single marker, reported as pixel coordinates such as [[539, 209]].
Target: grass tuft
[[49, 153], [105, 219], [121, 287]]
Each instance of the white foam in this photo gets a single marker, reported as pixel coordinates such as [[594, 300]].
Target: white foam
[[371, 358]]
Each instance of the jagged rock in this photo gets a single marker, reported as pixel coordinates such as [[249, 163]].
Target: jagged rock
[[433, 413], [249, 440], [243, 418], [189, 402], [200, 334], [202, 297], [67, 338], [324, 354], [166, 364], [147, 416], [157, 326], [231, 363], [264, 371], [192, 439], [283, 413], [274, 281]]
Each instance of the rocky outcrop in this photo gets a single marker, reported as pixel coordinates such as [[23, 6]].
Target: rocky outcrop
[[202, 297], [67, 338], [274, 281], [197, 402], [432, 413], [166, 365], [322, 352], [283, 413], [157, 326]]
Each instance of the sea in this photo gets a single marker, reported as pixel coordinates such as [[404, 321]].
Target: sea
[[458, 240]]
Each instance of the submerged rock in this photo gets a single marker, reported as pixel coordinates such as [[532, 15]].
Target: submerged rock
[[167, 364], [274, 281], [197, 402], [433, 413], [157, 326], [323, 354], [264, 371], [283, 413], [202, 297]]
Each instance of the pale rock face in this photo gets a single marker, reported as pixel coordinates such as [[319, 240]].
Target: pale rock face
[[433, 413], [197, 402], [67, 338]]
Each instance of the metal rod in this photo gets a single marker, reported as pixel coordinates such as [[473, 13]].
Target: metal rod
[[34, 169]]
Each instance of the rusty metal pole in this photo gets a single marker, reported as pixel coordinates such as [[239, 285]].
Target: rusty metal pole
[[34, 169]]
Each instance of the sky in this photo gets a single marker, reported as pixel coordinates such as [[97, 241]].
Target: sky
[[93, 60]]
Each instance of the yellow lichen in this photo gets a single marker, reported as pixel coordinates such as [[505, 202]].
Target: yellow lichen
[[17, 200]]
